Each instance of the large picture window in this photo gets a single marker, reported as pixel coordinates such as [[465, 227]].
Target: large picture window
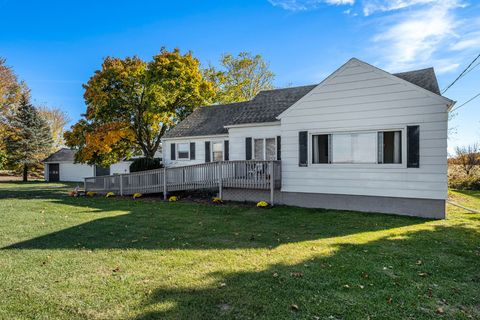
[[357, 147]]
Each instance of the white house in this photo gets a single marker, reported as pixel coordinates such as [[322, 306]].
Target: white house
[[363, 139], [61, 166]]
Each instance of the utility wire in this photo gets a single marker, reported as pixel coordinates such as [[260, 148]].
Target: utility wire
[[461, 74], [473, 98]]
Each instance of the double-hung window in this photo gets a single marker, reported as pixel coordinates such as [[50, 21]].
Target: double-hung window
[[265, 149], [217, 151], [357, 147], [183, 152]]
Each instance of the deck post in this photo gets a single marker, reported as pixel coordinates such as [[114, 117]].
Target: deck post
[[164, 182], [121, 184], [272, 182], [85, 185], [220, 176]]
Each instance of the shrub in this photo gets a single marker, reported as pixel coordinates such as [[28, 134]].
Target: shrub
[[110, 194], [172, 199], [91, 194], [262, 204], [143, 164], [137, 195], [217, 200], [464, 183]]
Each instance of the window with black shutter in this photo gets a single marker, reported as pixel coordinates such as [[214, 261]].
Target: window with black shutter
[[207, 151], [248, 148], [226, 155], [302, 148], [279, 148], [413, 146], [172, 151], [192, 150]]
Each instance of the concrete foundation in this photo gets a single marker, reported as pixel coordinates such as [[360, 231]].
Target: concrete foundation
[[425, 208]]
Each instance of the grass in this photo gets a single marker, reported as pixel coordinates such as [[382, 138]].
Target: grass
[[96, 258]]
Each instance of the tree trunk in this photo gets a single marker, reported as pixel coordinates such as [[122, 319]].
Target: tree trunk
[[25, 173]]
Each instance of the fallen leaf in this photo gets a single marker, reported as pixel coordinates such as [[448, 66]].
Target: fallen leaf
[[423, 274], [296, 274], [440, 310], [390, 300], [365, 275], [346, 286], [275, 275], [361, 287], [294, 307], [117, 269], [222, 284], [419, 262]]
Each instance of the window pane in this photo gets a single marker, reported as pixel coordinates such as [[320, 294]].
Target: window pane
[[320, 148], [364, 147], [270, 149], [217, 146], [258, 149], [183, 147], [392, 147], [342, 148], [354, 147]]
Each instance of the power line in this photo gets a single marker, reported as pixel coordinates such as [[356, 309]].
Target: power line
[[465, 71], [473, 98]]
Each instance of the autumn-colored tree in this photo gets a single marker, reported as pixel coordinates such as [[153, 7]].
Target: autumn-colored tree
[[240, 77], [131, 103], [10, 93], [28, 140], [468, 157], [56, 119]]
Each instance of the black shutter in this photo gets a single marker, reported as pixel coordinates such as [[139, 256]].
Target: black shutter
[[226, 148], [279, 148], [207, 151], [413, 146], [192, 150], [172, 151], [302, 148], [248, 148]]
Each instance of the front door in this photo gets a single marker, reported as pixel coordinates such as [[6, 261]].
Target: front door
[[53, 172]]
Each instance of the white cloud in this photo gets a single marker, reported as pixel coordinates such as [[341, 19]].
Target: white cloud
[[415, 39], [372, 6], [303, 5]]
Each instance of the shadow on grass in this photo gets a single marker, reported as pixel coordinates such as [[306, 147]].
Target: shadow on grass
[[161, 225], [388, 278]]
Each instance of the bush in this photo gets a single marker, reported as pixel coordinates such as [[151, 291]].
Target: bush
[[457, 179], [143, 164]]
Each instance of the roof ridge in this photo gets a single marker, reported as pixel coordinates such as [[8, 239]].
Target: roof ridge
[[416, 70]]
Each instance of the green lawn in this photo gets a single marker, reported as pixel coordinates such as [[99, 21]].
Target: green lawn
[[95, 258]]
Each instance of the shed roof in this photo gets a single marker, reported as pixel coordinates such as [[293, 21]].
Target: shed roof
[[63, 154]]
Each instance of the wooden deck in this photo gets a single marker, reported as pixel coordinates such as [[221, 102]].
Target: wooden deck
[[262, 175]]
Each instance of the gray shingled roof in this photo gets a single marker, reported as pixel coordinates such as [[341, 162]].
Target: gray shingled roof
[[63, 154], [424, 78], [267, 105], [209, 120]]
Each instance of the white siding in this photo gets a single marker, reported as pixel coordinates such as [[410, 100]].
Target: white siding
[[199, 149], [237, 137], [359, 97], [70, 171]]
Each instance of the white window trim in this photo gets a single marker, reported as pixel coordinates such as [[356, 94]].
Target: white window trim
[[377, 165], [177, 151], [264, 148]]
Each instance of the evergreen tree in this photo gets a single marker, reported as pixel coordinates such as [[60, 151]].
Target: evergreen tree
[[29, 140]]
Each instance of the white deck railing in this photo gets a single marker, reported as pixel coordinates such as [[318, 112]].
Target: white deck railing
[[264, 175]]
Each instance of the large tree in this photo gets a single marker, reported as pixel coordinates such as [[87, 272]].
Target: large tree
[[56, 119], [29, 139], [10, 92], [131, 103], [240, 78]]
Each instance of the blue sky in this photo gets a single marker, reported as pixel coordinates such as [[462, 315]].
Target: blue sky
[[55, 46]]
